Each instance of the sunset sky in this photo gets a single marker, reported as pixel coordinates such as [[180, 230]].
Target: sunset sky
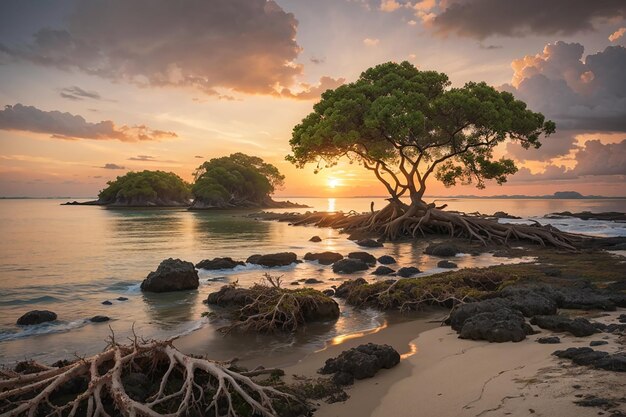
[[92, 89]]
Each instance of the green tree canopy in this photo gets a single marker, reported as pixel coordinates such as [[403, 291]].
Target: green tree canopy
[[146, 188], [405, 125], [235, 180]]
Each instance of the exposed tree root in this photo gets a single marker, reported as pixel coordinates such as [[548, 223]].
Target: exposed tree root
[[395, 222], [187, 386]]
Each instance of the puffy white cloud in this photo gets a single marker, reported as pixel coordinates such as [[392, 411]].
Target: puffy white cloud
[[576, 94], [248, 46], [310, 92], [68, 126]]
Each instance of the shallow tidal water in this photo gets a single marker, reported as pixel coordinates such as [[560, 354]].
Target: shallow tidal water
[[69, 259]]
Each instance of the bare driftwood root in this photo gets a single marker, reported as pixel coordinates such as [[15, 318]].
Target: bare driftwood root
[[396, 222], [184, 386], [273, 308]]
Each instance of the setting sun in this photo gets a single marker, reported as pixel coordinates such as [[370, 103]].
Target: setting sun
[[333, 183]]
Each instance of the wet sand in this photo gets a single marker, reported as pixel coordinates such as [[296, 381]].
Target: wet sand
[[448, 376]]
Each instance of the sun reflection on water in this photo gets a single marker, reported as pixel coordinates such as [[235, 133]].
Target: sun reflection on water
[[412, 351], [337, 340], [331, 204]]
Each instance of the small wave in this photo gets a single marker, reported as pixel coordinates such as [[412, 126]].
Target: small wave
[[120, 286], [36, 300], [134, 288], [192, 327], [40, 329]]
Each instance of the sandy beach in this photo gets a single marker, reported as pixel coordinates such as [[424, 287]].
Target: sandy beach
[[442, 375]]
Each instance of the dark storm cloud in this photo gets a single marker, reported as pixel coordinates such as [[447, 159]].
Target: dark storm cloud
[[76, 93], [68, 126], [483, 18], [587, 94], [247, 46]]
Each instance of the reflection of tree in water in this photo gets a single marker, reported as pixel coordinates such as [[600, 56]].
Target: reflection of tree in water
[[130, 223], [167, 310], [228, 225]]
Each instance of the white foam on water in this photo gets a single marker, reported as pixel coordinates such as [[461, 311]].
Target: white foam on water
[[43, 328]]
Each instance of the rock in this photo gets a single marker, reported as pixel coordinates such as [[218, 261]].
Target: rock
[[347, 286], [369, 243], [581, 355], [549, 340], [36, 317], [313, 281], [442, 249], [122, 299], [446, 264], [579, 327], [461, 313], [503, 215], [99, 319], [343, 378], [581, 296], [552, 271], [230, 295], [294, 283], [349, 266], [315, 239], [387, 260], [622, 318], [324, 258], [598, 343], [273, 259], [218, 263], [593, 401], [383, 270], [364, 256], [107, 303], [172, 275], [329, 292], [615, 362], [361, 362], [530, 303], [503, 325], [407, 271], [324, 310]]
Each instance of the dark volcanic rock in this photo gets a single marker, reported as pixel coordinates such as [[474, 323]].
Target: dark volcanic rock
[[329, 292], [107, 303], [369, 243], [324, 258], [230, 295], [593, 401], [383, 270], [503, 325], [581, 296], [99, 319], [407, 271], [172, 275], [122, 298], [529, 302], [349, 266], [315, 239], [218, 263], [581, 355], [598, 343], [579, 327], [549, 340], [344, 289], [361, 362], [387, 260], [36, 317], [446, 264], [313, 281], [273, 259], [364, 256], [461, 313], [442, 249]]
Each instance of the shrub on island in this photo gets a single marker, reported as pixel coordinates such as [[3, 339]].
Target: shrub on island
[[146, 188]]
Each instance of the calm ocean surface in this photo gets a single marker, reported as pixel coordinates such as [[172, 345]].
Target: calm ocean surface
[[69, 259]]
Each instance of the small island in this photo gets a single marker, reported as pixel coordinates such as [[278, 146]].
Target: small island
[[235, 181]]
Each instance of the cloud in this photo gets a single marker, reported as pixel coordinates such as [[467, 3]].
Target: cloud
[[389, 5], [112, 166], [592, 160], [597, 158], [489, 47], [371, 42], [316, 60], [76, 93], [142, 158], [248, 46], [68, 126], [311, 92], [199, 157], [556, 145], [483, 18], [618, 34], [587, 94]]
